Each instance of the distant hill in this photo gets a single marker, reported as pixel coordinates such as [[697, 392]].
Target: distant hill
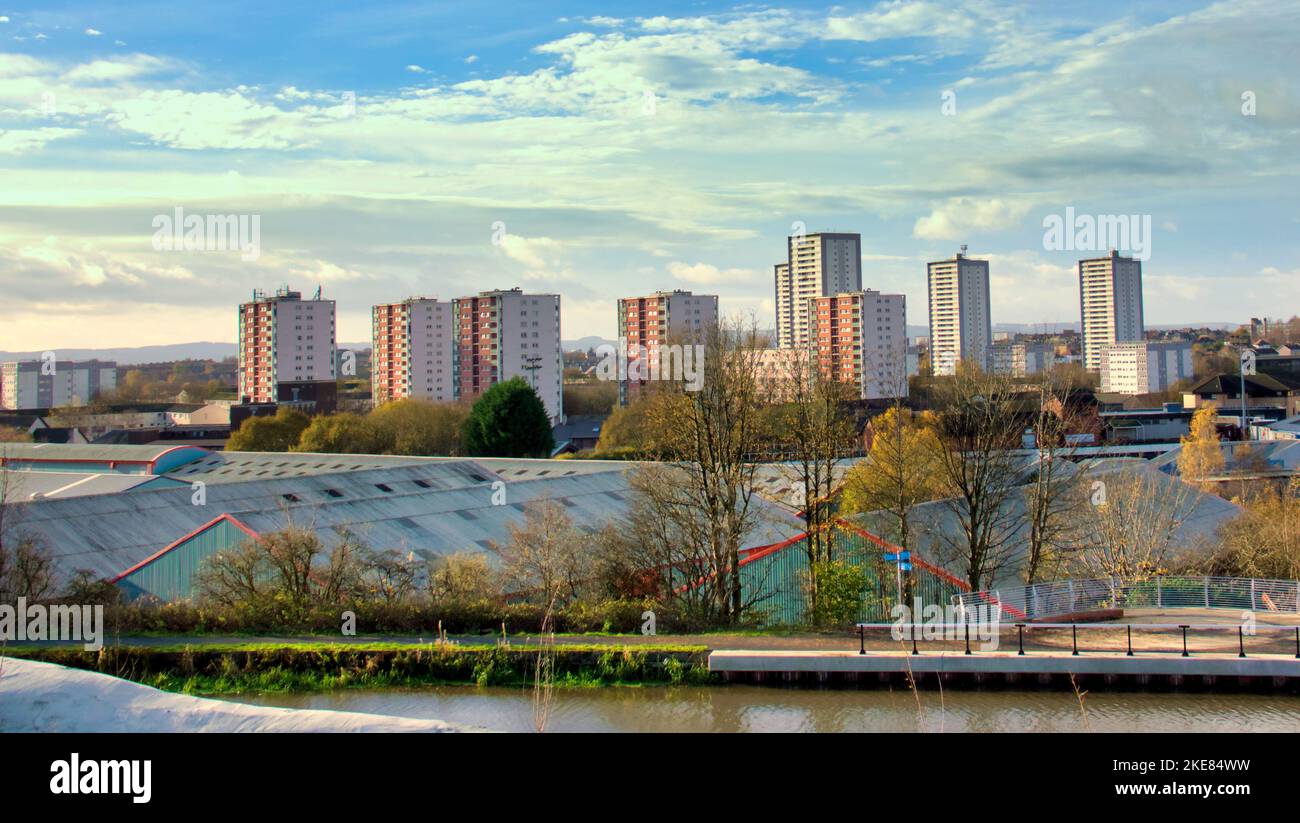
[[134, 356], [585, 343]]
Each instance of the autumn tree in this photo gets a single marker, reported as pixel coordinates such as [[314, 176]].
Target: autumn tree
[[270, 433], [1264, 540], [420, 427], [1200, 456], [342, 433], [901, 471]]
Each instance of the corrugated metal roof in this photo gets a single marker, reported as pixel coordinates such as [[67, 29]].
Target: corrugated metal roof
[[227, 467], [30, 485], [85, 452], [434, 507], [1283, 454], [936, 527]]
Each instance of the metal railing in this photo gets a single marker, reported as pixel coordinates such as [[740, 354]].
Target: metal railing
[[1032, 602], [958, 632]]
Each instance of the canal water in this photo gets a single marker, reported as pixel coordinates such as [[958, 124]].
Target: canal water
[[758, 709]]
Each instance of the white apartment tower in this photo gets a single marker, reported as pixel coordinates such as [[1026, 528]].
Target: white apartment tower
[[287, 349], [1110, 304], [412, 351], [960, 325], [817, 265], [502, 334]]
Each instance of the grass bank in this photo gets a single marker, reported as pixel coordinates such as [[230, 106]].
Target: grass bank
[[253, 668]]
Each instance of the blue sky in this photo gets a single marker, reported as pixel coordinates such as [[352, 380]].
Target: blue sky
[[536, 115]]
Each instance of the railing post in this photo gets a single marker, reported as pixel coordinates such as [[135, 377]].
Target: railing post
[[1252, 594], [1130, 640], [1241, 642], [1207, 592], [1074, 607], [862, 639], [1038, 611], [1075, 632], [1160, 602], [1021, 628], [1185, 628]]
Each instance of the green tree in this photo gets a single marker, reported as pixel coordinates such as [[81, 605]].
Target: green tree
[[509, 420], [841, 589], [279, 433]]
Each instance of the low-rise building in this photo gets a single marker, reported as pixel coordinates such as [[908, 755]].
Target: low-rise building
[[1022, 358], [1144, 367]]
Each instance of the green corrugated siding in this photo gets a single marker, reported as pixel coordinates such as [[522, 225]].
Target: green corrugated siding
[[171, 577], [776, 584]]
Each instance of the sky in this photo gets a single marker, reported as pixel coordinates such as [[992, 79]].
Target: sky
[[609, 149]]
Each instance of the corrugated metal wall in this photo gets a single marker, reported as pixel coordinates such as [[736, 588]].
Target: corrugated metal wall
[[171, 577], [776, 584]]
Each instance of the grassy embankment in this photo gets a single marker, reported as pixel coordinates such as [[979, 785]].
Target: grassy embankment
[[299, 667]]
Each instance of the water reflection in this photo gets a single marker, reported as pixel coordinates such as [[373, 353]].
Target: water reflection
[[755, 709]]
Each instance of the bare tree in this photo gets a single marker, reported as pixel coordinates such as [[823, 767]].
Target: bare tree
[[462, 577], [819, 434], [978, 424], [389, 573], [1053, 494], [710, 430], [1133, 522], [541, 557]]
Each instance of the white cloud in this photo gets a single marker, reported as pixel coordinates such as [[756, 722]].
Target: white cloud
[[961, 217], [536, 253], [23, 141], [118, 69], [93, 32], [706, 274]]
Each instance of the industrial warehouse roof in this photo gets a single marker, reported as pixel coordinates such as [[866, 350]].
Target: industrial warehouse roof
[[937, 531], [33, 485], [433, 507], [228, 467], [1256, 455], [153, 458]]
